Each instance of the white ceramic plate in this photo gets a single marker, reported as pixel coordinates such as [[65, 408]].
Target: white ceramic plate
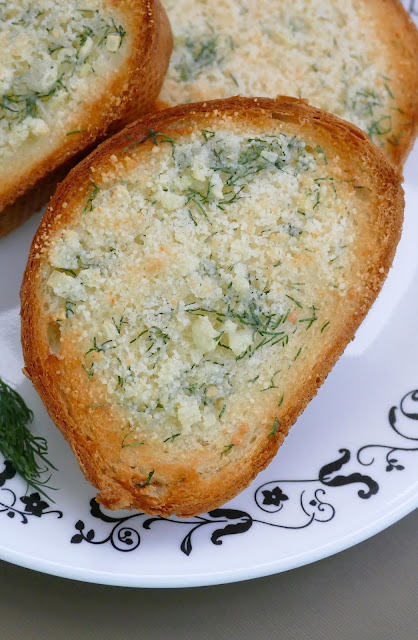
[[347, 470]]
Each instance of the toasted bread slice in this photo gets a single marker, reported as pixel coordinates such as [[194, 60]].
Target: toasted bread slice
[[357, 59], [192, 284], [69, 73]]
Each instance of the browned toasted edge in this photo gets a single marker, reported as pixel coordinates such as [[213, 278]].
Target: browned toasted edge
[[187, 501], [132, 94]]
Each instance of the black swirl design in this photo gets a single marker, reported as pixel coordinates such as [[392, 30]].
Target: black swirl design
[[34, 505], [325, 476], [404, 422], [290, 504], [121, 537]]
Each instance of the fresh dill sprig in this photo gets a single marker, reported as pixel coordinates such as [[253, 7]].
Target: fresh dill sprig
[[25, 451]]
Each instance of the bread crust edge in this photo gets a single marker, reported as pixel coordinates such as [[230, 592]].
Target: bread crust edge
[[184, 501]]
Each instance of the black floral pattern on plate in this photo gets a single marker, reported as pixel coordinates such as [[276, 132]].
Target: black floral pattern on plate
[[275, 496], [300, 503], [34, 505]]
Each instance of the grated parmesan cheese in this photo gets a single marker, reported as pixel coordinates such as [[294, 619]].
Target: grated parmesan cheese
[[55, 57], [323, 50], [180, 312]]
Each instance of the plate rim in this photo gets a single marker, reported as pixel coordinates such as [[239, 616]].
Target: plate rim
[[93, 576]]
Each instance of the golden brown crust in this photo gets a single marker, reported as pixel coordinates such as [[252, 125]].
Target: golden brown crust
[[130, 95], [194, 493]]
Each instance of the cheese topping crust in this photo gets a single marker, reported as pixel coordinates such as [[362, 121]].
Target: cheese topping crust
[[322, 50], [194, 283], [55, 56]]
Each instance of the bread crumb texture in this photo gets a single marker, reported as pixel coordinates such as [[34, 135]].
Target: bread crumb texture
[[55, 57], [340, 55], [187, 291]]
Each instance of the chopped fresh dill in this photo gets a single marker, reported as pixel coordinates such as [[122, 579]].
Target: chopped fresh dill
[[71, 133], [112, 29], [208, 134], [272, 385], [156, 138], [395, 140], [70, 272], [298, 354], [172, 438], [97, 347], [139, 335], [89, 371], [118, 325], [89, 203], [227, 449], [321, 151], [273, 432], [130, 444], [312, 319], [147, 481], [388, 89], [324, 326], [199, 53], [26, 452], [380, 127], [222, 411], [69, 308], [295, 301]]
